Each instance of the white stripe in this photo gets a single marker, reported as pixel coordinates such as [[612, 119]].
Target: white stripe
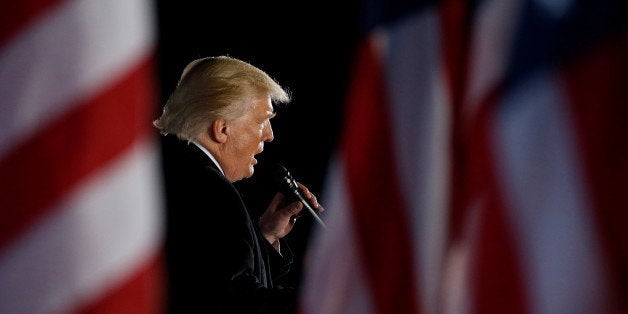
[[456, 295], [549, 205], [91, 242], [72, 52], [421, 117], [455, 281], [334, 280], [493, 35]]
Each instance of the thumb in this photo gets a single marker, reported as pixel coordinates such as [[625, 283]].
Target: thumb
[[277, 200]]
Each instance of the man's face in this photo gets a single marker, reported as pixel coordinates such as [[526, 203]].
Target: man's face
[[247, 135]]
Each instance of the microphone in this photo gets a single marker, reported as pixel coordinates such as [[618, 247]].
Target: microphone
[[288, 187]]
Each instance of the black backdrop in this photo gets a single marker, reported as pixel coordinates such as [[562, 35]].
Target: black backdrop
[[306, 46]]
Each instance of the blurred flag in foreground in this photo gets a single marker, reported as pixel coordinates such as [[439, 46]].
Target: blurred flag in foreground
[[80, 208], [483, 164]]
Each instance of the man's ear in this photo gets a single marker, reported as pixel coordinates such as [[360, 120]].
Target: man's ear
[[218, 130]]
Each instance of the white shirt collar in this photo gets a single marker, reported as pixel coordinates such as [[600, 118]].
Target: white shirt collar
[[209, 155]]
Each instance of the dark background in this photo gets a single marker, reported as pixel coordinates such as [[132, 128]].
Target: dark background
[[307, 47]]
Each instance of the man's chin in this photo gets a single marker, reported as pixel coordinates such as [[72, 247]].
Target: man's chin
[[246, 175], [250, 172]]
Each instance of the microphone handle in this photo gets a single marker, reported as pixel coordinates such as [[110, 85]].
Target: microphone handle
[[310, 209]]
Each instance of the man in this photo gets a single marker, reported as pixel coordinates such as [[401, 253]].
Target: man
[[220, 260]]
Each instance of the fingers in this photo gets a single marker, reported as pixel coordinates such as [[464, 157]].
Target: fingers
[[277, 221], [311, 197], [292, 212], [278, 215], [294, 208], [274, 204]]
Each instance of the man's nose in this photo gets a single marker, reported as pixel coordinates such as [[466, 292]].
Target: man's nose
[[268, 135]]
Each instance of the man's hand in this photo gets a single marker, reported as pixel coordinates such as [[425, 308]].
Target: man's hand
[[278, 220]]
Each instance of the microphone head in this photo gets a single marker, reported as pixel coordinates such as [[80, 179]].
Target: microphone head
[[285, 182], [282, 171]]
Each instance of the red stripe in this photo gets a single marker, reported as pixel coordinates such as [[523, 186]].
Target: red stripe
[[19, 14], [143, 293], [455, 29], [496, 275], [379, 211], [499, 287], [597, 89], [38, 173]]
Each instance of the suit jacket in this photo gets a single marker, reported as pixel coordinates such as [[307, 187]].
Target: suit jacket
[[218, 261]]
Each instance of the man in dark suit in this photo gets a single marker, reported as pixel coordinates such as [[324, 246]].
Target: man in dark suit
[[220, 260]]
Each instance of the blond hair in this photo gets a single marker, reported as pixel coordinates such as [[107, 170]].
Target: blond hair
[[214, 88]]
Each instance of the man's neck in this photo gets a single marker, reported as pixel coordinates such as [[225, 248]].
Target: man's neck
[[210, 155]]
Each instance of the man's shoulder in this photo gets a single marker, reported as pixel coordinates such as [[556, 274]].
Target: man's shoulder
[[187, 167], [182, 153], [193, 181]]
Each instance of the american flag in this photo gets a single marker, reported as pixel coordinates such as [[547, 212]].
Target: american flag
[[483, 163], [80, 207]]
